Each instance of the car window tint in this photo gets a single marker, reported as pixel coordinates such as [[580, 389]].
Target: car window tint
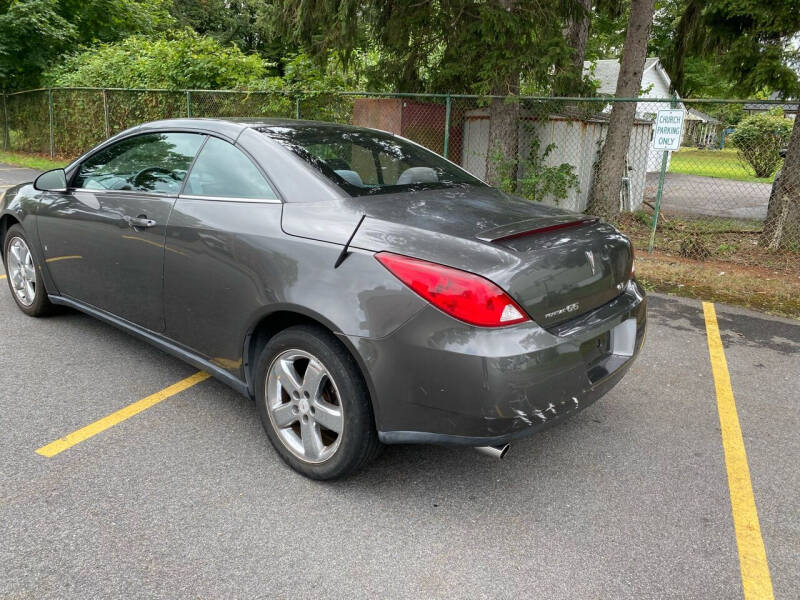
[[222, 170], [153, 162], [366, 162]]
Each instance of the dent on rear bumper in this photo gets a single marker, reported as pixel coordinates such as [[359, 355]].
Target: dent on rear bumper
[[437, 380]]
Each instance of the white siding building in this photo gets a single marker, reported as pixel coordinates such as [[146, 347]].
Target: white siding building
[[576, 142], [655, 84]]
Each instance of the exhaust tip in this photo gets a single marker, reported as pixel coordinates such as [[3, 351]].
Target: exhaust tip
[[497, 452]]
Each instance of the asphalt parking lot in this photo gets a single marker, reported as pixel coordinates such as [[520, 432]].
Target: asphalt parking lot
[[186, 498]]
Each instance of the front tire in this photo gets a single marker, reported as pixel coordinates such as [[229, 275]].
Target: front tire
[[314, 404], [24, 276]]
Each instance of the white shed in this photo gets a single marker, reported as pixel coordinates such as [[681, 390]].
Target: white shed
[[576, 142], [655, 84]]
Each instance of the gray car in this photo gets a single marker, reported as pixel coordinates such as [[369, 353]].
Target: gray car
[[362, 289]]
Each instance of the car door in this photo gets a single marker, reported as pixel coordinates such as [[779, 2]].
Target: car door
[[103, 239], [224, 224]]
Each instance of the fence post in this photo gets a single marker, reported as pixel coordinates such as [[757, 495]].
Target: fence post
[[105, 114], [5, 129], [188, 104], [297, 107], [660, 192], [52, 130], [447, 127]]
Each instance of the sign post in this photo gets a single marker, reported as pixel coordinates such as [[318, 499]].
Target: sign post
[[667, 133]]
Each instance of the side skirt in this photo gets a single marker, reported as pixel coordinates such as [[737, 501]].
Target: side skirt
[[158, 341]]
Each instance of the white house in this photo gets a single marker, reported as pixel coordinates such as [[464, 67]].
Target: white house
[[701, 129], [655, 84], [790, 109]]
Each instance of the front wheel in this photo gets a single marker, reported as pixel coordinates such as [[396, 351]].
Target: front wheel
[[24, 276], [313, 403]]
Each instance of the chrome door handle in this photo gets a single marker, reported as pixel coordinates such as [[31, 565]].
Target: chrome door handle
[[140, 221]]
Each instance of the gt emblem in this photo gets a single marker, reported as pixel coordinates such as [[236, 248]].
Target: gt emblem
[[590, 258], [567, 309]]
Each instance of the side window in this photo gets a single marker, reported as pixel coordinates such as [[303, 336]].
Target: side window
[[153, 162], [222, 170]]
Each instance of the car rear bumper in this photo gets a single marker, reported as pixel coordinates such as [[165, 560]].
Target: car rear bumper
[[437, 380]]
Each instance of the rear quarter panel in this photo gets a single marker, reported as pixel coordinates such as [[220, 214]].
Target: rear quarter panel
[[229, 264]]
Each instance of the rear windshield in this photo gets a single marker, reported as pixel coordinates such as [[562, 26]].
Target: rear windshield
[[364, 162]]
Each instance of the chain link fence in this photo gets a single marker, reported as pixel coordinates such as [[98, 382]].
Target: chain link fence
[[719, 197]]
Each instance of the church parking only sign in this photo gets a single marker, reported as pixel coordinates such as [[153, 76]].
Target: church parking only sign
[[668, 128]]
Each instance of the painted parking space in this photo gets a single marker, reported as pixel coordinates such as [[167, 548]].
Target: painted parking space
[[123, 414], [629, 499], [764, 359], [756, 580]]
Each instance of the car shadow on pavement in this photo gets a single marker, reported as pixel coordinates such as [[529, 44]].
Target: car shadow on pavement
[[737, 326]]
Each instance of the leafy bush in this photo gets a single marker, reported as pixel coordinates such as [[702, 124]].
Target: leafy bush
[[179, 60], [535, 179], [316, 85], [758, 140], [35, 33]]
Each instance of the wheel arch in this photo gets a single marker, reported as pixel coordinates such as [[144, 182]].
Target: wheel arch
[[6, 222], [273, 322]]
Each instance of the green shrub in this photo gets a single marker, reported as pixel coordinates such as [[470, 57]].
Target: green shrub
[[179, 60], [531, 176], [758, 140]]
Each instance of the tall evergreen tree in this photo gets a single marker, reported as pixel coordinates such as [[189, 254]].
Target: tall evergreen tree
[[604, 195], [754, 46], [475, 46], [35, 33]]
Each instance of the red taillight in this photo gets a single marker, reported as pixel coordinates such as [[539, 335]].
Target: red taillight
[[462, 295]]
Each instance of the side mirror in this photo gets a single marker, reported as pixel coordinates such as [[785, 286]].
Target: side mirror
[[51, 181]]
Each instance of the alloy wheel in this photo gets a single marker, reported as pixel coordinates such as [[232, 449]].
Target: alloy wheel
[[21, 271], [304, 406]]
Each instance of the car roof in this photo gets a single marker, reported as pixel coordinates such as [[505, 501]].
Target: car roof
[[232, 127]]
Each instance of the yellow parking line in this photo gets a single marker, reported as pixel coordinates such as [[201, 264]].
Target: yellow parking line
[[58, 258], [3, 276], [84, 433], [752, 555]]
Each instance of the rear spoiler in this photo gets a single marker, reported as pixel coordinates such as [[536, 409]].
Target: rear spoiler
[[533, 226]]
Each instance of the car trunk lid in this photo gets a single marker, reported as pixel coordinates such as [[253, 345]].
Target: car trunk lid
[[562, 265], [556, 264], [567, 269]]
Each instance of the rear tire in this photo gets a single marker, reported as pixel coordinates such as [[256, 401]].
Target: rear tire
[[314, 404], [24, 275]]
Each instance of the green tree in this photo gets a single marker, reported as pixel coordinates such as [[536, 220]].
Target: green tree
[[745, 44], [753, 48], [597, 17], [782, 226], [302, 74], [31, 34], [179, 60], [608, 30], [569, 75], [34, 33], [249, 24], [604, 195], [759, 139], [478, 46]]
